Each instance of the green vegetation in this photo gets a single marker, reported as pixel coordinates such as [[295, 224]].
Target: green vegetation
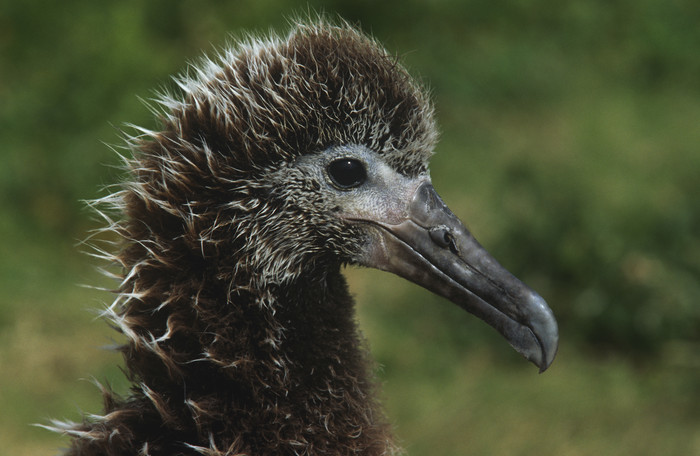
[[570, 147]]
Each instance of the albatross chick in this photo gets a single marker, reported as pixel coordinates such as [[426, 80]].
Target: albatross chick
[[276, 163]]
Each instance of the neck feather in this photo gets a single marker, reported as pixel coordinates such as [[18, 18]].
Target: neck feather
[[276, 371]]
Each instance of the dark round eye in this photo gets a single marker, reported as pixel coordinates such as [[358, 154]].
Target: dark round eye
[[347, 172]]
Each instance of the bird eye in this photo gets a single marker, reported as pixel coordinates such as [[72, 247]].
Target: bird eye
[[347, 172]]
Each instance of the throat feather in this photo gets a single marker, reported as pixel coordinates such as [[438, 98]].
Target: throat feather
[[285, 362]]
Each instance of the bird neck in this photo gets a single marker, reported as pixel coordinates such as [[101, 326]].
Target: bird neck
[[264, 371]]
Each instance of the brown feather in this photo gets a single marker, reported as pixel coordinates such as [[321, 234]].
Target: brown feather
[[240, 331]]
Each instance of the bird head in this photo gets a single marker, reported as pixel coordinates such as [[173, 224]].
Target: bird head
[[283, 157]]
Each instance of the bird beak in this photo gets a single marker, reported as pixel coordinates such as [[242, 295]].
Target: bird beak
[[431, 247]]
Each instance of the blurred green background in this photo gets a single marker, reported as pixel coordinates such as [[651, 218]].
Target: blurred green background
[[570, 146]]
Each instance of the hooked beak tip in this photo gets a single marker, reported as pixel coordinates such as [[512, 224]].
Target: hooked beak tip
[[545, 330]]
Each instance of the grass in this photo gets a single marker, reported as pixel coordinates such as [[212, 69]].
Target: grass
[[49, 339], [453, 394]]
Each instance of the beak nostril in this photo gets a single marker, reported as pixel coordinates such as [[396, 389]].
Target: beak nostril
[[441, 236], [451, 241]]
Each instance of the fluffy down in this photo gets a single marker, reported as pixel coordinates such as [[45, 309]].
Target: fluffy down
[[240, 332]]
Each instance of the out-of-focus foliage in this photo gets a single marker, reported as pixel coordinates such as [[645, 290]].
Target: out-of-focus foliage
[[570, 146]]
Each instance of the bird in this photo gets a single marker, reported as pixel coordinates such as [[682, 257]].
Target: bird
[[276, 163]]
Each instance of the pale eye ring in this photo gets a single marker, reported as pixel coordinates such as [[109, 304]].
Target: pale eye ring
[[347, 173]]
